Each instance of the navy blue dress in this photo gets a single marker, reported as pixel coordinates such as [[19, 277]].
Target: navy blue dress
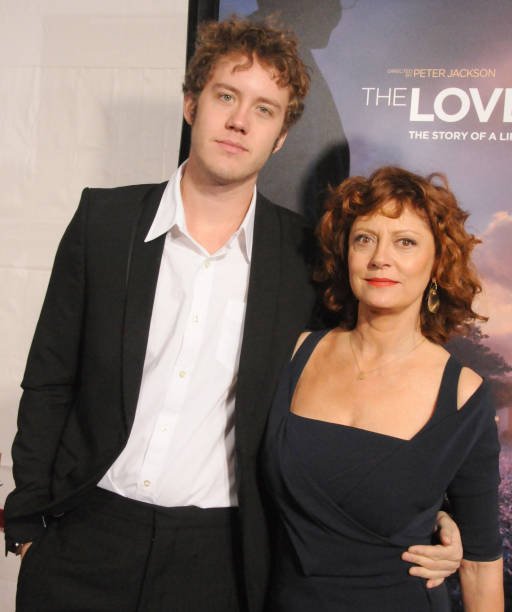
[[350, 501]]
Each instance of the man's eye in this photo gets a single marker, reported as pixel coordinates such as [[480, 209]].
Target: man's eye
[[265, 110], [226, 97]]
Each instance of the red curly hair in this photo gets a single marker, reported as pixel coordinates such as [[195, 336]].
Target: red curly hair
[[430, 197], [272, 46]]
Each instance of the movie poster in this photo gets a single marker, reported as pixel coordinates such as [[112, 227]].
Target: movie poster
[[426, 85]]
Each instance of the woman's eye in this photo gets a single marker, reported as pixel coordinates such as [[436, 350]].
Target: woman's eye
[[407, 242], [264, 110], [226, 97], [362, 239]]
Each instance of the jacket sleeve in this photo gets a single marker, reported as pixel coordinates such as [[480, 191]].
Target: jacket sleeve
[[49, 384]]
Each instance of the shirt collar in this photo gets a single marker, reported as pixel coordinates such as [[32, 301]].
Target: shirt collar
[[171, 214]]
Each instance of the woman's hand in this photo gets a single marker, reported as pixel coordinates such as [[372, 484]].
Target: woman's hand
[[437, 562]]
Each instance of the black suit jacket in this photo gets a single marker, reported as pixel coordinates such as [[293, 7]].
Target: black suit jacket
[[84, 369]]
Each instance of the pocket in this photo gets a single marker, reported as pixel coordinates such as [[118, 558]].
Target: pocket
[[32, 575], [230, 339], [30, 558], [30, 550]]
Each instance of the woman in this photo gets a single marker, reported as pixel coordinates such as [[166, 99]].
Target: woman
[[374, 422]]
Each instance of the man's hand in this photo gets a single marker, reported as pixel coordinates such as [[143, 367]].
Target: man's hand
[[23, 549], [437, 562]]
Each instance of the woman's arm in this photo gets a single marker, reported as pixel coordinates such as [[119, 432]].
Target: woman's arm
[[482, 585], [473, 494]]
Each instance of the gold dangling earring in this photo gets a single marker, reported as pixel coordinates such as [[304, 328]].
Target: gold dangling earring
[[433, 301]]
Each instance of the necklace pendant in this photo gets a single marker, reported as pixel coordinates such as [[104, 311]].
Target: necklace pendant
[[361, 376]]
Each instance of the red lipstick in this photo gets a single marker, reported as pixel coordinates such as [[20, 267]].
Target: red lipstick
[[381, 282]]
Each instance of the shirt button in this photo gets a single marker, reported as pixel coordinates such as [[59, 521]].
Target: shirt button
[[182, 374], [163, 428], [207, 263], [195, 318], [147, 483]]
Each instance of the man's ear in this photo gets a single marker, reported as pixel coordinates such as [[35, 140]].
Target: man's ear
[[279, 142], [189, 108]]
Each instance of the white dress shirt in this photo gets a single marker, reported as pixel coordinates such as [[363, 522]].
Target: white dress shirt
[[180, 451]]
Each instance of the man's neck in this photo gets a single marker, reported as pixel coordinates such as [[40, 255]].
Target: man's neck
[[214, 212]]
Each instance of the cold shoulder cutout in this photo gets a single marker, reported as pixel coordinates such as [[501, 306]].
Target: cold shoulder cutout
[[300, 340], [469, 382]]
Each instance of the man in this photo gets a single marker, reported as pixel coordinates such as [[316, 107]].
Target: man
[[165, 303]]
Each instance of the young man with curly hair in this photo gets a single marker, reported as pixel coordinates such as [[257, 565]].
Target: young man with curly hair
[[170, 311]]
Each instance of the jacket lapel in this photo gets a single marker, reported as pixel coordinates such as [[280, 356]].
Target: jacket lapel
[[142, 275], [264, 283]]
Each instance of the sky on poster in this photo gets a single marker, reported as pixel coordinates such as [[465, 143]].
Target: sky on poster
[[394, 110]]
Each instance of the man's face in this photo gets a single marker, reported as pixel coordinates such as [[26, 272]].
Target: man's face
[[237, 122]]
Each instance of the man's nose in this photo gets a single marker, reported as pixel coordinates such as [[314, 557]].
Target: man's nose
[[238, 120]]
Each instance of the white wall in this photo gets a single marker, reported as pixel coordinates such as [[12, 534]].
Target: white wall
[[90, 95]]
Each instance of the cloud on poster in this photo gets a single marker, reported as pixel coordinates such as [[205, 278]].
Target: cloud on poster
[[494, 255], [493, 259]]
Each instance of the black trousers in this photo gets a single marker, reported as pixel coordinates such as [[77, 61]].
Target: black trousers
[[118, 555]]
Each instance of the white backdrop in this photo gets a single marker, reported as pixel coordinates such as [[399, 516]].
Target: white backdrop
[[90, 95]]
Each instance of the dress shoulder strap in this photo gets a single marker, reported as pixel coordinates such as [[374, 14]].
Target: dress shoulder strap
[[303, 354], [447, 398]]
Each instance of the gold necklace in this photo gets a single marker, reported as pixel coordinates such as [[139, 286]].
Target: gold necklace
[[362, 374]]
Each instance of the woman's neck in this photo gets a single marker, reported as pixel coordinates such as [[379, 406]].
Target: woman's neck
[[386, 334]]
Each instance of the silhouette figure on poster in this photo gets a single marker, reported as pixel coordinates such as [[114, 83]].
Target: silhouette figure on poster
[[316, 153]]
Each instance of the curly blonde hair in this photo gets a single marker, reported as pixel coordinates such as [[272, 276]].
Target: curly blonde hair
[[271, 45], [456, 278]]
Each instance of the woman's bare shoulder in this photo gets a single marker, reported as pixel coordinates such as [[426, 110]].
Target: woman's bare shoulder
[[300, 340]]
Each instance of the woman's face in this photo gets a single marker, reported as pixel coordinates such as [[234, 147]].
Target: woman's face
[[390, 260]]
